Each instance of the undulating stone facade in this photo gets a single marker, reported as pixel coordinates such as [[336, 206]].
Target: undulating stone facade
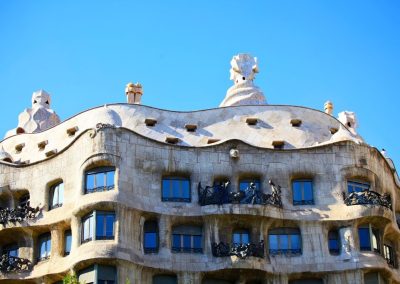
[[238, 194]]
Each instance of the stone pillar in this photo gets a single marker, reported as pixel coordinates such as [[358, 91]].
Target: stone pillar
[[348, 251], [210, 233], [76, 232], [56, 241], [26, 247], [189, 278], [165, 234]]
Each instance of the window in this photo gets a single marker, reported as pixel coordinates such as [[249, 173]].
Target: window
[[369, 238], [374, 278], [176, 189], [56, 196], [334, 242], [104, 226], [241, 237], [389, 254], [284, 241], [11, 250], [307, 281], [24, 200], [187, 239], [67, 242], [302, 192], [150, 243], [44, 246], [245, 184], [100, 274], [165, 279], [356, 186], [100, 179]]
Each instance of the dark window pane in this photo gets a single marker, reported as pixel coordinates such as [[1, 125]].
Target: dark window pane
[[197, 242], [186, 189], [176, 189], [237, 238], [176, 241], [150, 240], [68, 242], [110, 179], [187, 241], [308, 192], [100, 225], [273, 242], [110, 225], [365, 241], [295, 242], [100, 182], [283, 241], [90, 181], [297, 192], [166, 188]]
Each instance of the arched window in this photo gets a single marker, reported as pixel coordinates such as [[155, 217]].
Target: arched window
[[165, 279], [100, 223], [44, 247], [302, 192], [67, 242], [150, 239], [10, 250], [389, 253], [24, 200], [334, 241], [187, 239], [241, 237], [357, 186], [369, 238], [56, 195], [284, 241], [99, 179]]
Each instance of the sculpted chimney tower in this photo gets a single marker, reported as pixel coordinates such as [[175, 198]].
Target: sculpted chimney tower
[[134, 93]]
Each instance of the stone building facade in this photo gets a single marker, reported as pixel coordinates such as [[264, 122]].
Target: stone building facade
[[244, 193]]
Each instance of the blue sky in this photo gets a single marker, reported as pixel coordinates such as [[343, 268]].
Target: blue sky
[[84, 52]]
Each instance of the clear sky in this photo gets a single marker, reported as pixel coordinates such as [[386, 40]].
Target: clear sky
[[84, 52]]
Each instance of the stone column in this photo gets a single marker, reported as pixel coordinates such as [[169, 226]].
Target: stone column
[[348, 251], [165, 234], [76, 232], [189, 278], [56, 241]]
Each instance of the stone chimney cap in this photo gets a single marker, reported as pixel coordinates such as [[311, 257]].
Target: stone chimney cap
[[132, 88]]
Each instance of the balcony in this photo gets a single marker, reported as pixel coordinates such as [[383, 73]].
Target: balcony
[[368, 197], [220, 194], [10, 264], [18, 214], [240, 250]]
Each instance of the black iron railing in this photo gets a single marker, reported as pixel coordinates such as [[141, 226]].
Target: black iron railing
[[220, 194], [222, 249], [18, 214], [368, 197], [10, 264]]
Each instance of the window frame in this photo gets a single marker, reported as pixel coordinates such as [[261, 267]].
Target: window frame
[[373, 232], [92, 236], [9, 248], [302, 189], [280, 233], [67, 233], [241, 233], [52, 190], [96, 269], [333, 251], [46, 237], [389, 253], [24, 200], [171, 197], [185, 232], [152, 228], [97, 171], [360, 184]]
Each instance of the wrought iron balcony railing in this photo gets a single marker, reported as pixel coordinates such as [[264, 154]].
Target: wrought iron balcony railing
[[222, 249], [368, 197], [18, 214], [220, 194], [10, 264]]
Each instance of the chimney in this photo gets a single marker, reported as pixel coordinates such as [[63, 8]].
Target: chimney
[[328, 106], [134, 93]]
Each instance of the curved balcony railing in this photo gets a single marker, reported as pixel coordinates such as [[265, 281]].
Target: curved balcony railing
[[220, 194], [222, 249], [18, 214], [368, 197], [10, 264]]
